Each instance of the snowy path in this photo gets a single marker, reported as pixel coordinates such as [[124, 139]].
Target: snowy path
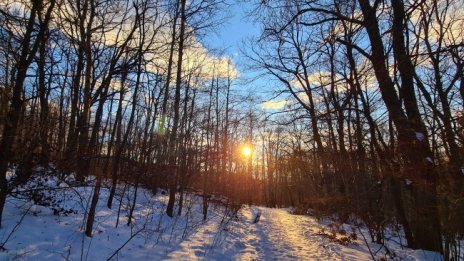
[[291, 237], [285, 236], [278, 235]]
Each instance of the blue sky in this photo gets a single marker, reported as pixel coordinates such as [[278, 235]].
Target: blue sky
[[229, 38], [234, 31]]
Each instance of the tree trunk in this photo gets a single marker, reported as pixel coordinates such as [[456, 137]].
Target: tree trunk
[[173, 137], [16, 107]]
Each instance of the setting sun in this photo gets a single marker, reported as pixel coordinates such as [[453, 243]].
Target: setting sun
[[246, 151]]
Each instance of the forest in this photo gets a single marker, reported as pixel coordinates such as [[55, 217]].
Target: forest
[[349, 108]]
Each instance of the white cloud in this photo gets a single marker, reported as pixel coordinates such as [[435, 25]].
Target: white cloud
[[197, 58], [275, 105]]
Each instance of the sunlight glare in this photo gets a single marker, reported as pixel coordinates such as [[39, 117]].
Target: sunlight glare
[[246, 151]]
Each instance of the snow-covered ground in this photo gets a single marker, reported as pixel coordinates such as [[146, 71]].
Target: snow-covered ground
[[34, 232]]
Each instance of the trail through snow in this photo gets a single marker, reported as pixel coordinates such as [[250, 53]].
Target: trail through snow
[[286, 236], [278, 235]]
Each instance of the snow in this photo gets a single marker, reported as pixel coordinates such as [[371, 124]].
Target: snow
[[10, 174], [33, 232], [408, 182], [429, 160], [420, 136]]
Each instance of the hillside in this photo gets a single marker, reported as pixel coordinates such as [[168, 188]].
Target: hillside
[[55, 231]]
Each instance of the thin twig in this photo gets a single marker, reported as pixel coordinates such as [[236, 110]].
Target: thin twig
[[367, 244], [125, 243], [2, 245]]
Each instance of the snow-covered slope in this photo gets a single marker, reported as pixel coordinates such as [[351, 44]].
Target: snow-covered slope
[[34, 232]]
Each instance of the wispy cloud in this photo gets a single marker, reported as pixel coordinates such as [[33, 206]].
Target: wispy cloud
[[274, 105]]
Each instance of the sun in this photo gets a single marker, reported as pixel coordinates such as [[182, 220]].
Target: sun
[[246, 151]]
